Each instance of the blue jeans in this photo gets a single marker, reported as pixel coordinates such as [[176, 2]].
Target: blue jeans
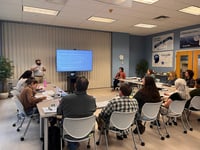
[[72, 145]]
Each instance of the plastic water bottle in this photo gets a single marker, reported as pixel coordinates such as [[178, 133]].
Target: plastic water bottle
[[45, 83]]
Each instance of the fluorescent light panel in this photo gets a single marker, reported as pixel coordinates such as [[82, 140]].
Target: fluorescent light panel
[[40, 10], [191, 10], [145, 25], [146, 1], [100, 19]]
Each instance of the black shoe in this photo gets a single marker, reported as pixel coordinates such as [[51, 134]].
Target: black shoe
[[120, 137], [154, 123], [141, 129], [124, 136]]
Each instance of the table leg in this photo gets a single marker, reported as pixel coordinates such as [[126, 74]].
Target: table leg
[[41, 128], [45, 133]]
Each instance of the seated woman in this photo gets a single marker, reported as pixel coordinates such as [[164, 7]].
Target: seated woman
[[171, 78], [27, 96], [147, 94], [120, 75], [151, 73], [189, 78], [21, 82], [181, 93], [122, 103]]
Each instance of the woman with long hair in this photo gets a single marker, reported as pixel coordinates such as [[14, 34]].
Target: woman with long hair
[[147, 94], [181, 92]]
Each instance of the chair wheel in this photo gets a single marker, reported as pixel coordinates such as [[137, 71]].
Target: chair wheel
[[142, 143], [151, 126], [97, 143], [191, 129], [170, 123], [175, 123], [18, 129], [162, 138], [14, 125], [167, 136], [88, 146], [185, 132], [22, 138]]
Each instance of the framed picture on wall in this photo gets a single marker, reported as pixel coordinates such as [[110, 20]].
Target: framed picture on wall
[[190, 38], [162, 59], [163, 42]]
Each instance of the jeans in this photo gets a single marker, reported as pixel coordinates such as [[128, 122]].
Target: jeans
[[72, 145]]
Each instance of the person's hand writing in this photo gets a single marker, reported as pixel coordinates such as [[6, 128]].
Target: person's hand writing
[[166, 94]]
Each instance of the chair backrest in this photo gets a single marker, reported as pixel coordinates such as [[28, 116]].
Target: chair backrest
[[151, 110], [122, 120], [19, 105], [177, 107], [195, 102], [78, 127]]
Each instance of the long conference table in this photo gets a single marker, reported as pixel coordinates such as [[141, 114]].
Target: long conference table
[[47, 108], [163, 88]]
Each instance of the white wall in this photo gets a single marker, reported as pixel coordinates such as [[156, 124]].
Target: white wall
[[23, 43]]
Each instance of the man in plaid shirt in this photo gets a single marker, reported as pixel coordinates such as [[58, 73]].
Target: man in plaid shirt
[[122, 103]]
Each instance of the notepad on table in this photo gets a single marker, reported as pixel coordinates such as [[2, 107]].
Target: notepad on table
[[49, 109]]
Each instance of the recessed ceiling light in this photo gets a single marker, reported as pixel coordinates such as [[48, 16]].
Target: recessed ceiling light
[[40, 10], [146, 1], [191, 10], [100, 19], [145, 25]]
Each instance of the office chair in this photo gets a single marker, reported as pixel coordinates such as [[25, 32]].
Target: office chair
[[149, 113], [21, 115], [194, 106], [176, 110], [79, 129], [119, 121]]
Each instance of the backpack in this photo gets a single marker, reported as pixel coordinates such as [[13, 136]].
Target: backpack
[[54, 138]]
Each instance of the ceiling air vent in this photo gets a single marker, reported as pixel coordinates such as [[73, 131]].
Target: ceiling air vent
[[161, 17]]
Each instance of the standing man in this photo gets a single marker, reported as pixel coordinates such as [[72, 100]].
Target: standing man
[[38, 70], [78, 104]]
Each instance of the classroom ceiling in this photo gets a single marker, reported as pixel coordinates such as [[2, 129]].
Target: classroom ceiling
[[74, 13]]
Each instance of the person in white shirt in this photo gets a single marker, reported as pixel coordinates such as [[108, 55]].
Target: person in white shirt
[[21, 82], [38, 70]]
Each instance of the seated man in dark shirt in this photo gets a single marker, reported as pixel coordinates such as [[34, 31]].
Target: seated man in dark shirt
[[195, 92], [78, 104]]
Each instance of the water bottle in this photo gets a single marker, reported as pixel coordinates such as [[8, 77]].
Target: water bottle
[[45, 83]]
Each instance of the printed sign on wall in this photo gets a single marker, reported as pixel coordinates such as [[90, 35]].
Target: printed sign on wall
[[162, 59], [163, 43], [190, 38]]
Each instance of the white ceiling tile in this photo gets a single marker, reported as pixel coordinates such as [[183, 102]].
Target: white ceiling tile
[[74, 13]]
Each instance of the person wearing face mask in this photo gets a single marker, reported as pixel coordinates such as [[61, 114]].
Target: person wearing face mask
[[38, 70]]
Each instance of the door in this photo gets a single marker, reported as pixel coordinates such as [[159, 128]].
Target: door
[[196, 64], [188, 60], [183, 62]]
